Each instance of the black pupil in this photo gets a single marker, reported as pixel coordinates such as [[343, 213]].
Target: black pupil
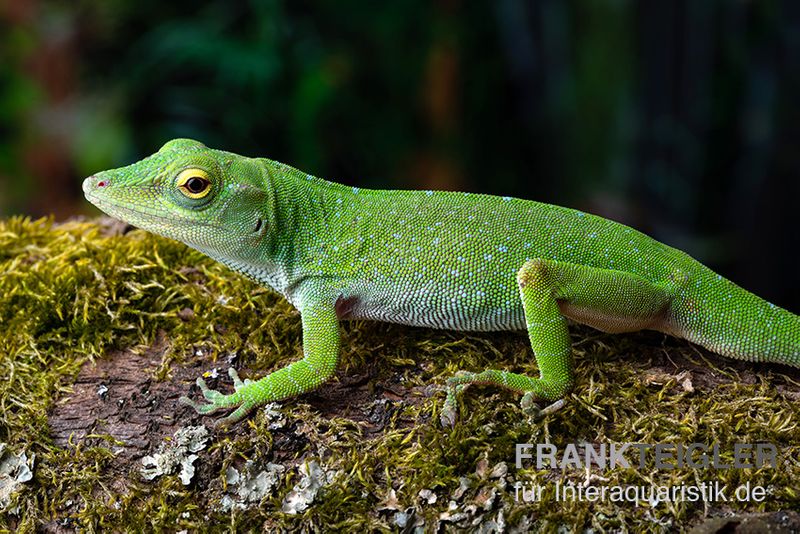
[[195, 184]]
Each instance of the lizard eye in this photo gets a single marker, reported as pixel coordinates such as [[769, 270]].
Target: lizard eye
[[194, 183]]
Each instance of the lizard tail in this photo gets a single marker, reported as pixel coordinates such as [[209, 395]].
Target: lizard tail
[[721, 316]]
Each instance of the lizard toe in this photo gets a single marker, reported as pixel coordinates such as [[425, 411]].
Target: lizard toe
[[198, 407], [234, 416]]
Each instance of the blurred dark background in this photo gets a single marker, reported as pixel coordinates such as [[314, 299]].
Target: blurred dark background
[[680, 118]]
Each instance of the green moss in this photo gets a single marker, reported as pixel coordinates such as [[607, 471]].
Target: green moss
[[73, 293]]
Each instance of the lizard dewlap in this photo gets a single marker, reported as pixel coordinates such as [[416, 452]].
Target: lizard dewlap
[[428, 258]]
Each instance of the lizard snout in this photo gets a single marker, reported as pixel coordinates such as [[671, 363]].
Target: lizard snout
[[93, 183]]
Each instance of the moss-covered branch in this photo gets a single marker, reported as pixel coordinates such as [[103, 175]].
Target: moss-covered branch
[[102, 330]]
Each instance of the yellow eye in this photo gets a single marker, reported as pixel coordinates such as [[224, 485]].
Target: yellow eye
[[194, 183]]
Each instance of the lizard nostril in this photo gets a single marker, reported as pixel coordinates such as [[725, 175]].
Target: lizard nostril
[[102, 183]]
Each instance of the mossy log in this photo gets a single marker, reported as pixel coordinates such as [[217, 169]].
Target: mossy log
[[103, 327]]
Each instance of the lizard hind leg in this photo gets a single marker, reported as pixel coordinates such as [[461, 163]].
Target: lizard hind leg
[[549, 336], [550, 291]]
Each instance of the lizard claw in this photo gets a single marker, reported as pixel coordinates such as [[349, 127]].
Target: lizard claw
[[235, 415], [214, 400], [211, 395], [237, 382], [189, 402], [449, 410], [529, 406], [455, 385]]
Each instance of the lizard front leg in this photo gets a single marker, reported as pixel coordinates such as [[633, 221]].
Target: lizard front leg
[[321, 342], [611, 300]]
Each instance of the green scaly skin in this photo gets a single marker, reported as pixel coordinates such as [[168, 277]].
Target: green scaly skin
[[429, 258]]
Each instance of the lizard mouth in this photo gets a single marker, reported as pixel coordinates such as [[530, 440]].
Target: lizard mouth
[[90, 184], [137, 214]]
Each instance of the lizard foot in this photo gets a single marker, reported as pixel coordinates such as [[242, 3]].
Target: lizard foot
[[455, 385], [214, 400]]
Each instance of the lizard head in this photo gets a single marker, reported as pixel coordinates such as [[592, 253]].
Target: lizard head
[[212, 200]]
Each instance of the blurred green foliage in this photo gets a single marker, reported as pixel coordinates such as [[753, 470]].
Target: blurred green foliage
[[402, 93]]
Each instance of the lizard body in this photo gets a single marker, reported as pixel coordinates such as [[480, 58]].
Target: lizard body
[[429, 258]]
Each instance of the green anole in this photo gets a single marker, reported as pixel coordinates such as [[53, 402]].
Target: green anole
[[437, 259]]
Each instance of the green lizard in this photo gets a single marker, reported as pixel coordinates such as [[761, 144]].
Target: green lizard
[[430, 258]]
